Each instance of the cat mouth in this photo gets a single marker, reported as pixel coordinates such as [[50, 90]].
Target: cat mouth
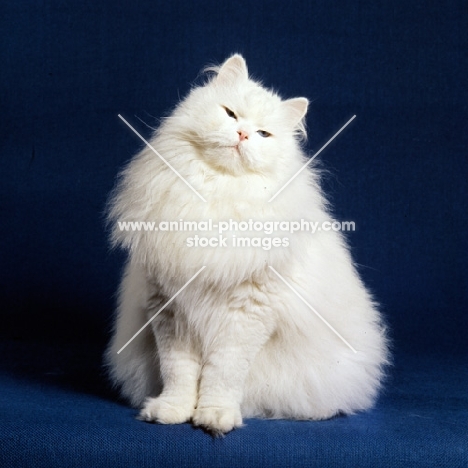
[[235, 151], [236, 148]]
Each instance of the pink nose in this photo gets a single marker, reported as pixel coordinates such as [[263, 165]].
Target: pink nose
[[242, 135]]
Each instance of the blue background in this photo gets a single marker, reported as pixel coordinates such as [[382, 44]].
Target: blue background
[[399, 171]]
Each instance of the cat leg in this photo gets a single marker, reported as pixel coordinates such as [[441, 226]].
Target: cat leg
[[180, 370], [226, 365]]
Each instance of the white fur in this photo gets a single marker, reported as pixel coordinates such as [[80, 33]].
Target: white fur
[[237, 342]]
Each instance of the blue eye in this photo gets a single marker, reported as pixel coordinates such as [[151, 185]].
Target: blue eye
[[263, 133], [230, 113]]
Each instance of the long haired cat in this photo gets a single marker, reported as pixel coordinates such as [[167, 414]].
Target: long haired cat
[[276, 326]]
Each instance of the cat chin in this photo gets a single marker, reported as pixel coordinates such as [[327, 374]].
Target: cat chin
[[235, 161]]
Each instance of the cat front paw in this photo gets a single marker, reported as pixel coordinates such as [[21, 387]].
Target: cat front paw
[[217, 420], [166, 410]]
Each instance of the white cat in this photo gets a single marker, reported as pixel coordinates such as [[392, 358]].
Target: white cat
[[239, 340]]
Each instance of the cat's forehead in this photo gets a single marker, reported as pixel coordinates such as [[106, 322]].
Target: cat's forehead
[[250, 99]]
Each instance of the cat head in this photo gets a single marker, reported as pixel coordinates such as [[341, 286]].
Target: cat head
[[236, 125]]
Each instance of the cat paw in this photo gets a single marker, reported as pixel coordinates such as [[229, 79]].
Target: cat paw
[[165, 410], [217, 420]]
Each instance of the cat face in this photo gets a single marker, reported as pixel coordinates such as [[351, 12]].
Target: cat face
[[236, 125]]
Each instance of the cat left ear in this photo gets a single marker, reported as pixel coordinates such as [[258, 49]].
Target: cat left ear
[[233, 70], [295, 110]]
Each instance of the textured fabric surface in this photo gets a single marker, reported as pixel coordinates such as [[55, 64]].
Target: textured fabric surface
[[399, 171], [56, 412]]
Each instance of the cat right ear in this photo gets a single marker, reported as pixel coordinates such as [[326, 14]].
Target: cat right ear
[[233, 71], [295, 110]]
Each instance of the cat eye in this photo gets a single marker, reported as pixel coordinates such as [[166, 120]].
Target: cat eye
[[230, 113], [263, 133]]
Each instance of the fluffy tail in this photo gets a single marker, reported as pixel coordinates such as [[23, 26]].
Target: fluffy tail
[[135, 369]]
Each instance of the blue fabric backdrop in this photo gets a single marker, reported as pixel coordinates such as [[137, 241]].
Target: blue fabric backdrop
[[399, 171]]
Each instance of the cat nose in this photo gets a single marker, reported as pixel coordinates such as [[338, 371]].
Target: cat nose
[[242, 135]]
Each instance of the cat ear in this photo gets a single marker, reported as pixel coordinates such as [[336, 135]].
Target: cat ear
[[233, 70], [295, 110]]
